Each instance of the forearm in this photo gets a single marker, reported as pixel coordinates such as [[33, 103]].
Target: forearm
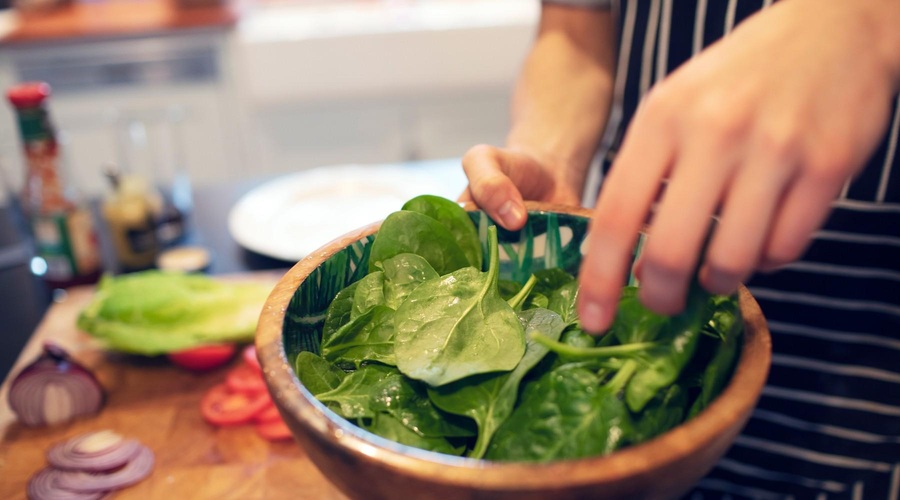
[[563, 96]]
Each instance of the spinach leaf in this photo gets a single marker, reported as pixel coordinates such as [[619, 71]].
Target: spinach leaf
[[633, 321], [676, 342], [389, 427], [412, 232], [563, 301], [663, 412], [457, 326], [564, 415], [550, 280], [576, 337], [316, 374], [508, 288], [367, 337], [369, 293], [728, 323], [353, 398], [403, 273], [489, 399], [455, 218], [536, 300], [338, 312], [407, 400]]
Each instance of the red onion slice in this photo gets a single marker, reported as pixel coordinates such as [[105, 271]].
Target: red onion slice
[[45, 486], [93, 452], [90, 482]]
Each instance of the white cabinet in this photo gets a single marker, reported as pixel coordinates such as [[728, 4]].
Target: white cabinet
[[290, 87], [378, 81], [164, 102]]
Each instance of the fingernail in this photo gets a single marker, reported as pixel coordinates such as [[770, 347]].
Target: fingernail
[[511, 214], [594, 317]]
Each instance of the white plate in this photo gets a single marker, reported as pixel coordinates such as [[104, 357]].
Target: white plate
[[290, 217]]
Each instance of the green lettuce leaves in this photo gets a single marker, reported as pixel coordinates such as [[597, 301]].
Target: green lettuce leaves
[[156, 312]]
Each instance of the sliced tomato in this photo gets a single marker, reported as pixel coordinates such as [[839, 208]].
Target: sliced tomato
[[270, 414], [203, 358], [221, 406], [274, 431], [242, 378], [249, 355]]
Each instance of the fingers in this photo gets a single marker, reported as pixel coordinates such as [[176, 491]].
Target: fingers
[[804, 209], [622, 208], [491, 187], [753, 198], [681, 223]]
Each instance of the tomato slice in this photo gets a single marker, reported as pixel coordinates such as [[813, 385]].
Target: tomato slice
[[245, 379], [221, 406], [270, 414], [249, 355], [203, 358], [274, 431]]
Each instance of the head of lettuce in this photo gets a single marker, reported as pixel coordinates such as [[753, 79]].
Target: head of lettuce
[[155, 312]]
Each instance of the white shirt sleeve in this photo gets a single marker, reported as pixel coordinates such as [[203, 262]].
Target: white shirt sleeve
[[599, 4]]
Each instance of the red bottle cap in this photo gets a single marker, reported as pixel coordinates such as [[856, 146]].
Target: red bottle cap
[[28, 94]]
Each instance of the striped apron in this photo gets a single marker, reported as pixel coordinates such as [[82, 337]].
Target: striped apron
[[828, 422]]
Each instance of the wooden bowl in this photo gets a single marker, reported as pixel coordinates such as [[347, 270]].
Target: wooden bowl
[[364, 465]]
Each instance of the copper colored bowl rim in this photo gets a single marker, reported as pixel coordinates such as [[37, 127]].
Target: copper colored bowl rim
[[733, 405]]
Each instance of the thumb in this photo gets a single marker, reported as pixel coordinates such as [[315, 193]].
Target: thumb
[[491, 188]]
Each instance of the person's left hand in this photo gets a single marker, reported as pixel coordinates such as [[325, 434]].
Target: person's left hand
[[764, 128]]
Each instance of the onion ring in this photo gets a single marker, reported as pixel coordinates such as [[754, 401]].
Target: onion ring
[[45, 486], [92, 482], [93, 452]]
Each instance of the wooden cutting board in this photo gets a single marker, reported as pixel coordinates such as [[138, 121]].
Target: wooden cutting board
[[158, 404]]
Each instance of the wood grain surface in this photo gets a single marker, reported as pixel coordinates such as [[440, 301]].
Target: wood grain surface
[[157, 403]]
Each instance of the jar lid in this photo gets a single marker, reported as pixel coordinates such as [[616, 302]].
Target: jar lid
[[187, 259], [28, 94]]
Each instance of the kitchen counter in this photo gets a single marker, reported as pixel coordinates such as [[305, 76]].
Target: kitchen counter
[[117, 18], [151, 400]]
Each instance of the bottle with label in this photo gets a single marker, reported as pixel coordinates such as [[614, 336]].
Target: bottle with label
[[65, 237]]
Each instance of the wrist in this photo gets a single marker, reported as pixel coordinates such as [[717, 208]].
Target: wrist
[[883, 16]]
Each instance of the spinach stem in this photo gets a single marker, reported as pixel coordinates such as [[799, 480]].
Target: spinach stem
[[591, 352], [518, 299], [617, 383]]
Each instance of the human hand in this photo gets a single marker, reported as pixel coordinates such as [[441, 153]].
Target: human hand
[[763, 128], [499, 178]]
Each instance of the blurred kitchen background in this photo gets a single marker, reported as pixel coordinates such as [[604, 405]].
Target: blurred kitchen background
[[230, 90]]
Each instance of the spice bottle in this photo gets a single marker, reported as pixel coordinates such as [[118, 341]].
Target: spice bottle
[[65, 237]]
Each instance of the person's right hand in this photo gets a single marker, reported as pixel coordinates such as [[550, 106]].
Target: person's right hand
[[499, 179], [762, 130]]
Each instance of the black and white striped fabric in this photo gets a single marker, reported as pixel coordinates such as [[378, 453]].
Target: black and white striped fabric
[[828, 424]]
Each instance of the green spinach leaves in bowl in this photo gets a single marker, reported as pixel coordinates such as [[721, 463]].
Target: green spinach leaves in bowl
[[449, 335]]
